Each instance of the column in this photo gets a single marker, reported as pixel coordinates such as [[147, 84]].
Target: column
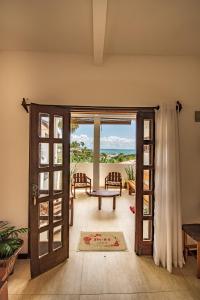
[[97, 123]]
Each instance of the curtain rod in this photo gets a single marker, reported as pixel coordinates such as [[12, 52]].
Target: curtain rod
[[25, 105], [79, 108]]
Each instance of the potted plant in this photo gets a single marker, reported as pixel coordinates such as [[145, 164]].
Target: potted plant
[[130, 173], [10, 246], [130, 184]]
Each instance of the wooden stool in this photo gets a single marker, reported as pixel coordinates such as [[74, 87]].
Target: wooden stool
[[131, 186], [193, 230]]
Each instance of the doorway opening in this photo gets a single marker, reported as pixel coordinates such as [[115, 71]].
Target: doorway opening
[[103, 158], [50, 178]]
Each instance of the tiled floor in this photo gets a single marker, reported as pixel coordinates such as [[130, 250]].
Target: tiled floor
[[105, 275]]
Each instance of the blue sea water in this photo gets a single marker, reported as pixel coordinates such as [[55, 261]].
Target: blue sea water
[[118, 151]]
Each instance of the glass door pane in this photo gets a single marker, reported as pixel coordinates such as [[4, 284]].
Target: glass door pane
[[44, 120]]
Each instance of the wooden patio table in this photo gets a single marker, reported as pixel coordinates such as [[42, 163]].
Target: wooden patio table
[[193, 230], [101, 193]]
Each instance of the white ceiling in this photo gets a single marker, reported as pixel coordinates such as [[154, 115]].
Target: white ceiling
[[46, 25], [135, 27], [156, 27]]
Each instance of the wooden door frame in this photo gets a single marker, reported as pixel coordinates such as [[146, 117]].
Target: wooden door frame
[[60, 254], [102, 110], [144, 247]]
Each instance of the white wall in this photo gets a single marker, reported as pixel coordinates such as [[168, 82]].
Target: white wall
[[120, 81]]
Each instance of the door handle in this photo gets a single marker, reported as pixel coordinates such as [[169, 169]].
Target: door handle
[[34, 201], [34, 193]]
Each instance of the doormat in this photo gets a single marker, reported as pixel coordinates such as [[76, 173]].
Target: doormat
[[102, 241]]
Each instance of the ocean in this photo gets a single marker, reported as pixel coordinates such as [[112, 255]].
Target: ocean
[[118, 151]]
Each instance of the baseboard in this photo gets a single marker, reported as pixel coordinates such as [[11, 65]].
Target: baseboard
[[23, 256]]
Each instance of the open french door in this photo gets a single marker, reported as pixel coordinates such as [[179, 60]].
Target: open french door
[[49, 186], [145, 182]]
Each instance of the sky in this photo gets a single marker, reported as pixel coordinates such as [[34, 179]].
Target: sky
[[112, 136]]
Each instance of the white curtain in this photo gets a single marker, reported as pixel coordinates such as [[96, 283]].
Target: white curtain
[[167, 217]]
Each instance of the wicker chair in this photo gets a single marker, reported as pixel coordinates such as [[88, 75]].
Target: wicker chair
[[79, 181], [114, 179]]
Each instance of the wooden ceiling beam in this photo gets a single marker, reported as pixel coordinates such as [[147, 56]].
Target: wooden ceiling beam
[[103, 122]]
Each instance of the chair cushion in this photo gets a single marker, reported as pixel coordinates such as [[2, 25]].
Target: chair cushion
[[84, 184], [113, 182]]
